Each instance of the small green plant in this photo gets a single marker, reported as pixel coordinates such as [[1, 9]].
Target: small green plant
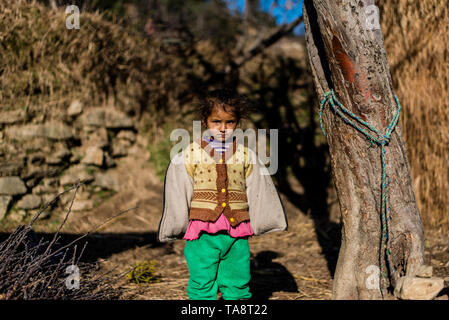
[[143, 272]]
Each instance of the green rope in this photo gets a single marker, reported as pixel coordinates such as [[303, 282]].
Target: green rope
[[381, 140]]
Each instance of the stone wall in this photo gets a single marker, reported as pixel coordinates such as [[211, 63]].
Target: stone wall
[[40, 158]]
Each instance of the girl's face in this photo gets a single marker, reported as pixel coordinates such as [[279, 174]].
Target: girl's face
[[221, 123]]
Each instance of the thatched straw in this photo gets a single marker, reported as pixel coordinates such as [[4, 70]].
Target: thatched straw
[[417, 43]]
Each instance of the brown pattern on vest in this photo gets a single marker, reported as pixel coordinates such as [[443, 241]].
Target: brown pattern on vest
[[211, 196], [221, 197]]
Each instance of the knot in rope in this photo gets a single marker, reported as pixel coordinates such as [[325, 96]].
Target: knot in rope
[[384, 140]]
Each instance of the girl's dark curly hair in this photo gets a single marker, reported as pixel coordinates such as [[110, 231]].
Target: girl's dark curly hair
[[229, 100]]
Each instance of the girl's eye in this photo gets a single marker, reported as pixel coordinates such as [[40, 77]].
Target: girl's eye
[[219, 121]]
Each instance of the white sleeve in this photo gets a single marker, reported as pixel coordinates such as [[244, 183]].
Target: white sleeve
[[178, 193], [266, 211]]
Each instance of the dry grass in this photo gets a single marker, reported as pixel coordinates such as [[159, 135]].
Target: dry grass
[[44, 65], [416, 37]]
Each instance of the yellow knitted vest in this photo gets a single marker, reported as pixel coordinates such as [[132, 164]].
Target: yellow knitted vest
[[219, 182]]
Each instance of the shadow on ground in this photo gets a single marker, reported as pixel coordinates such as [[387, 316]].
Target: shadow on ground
[[268, 276], [100, 246]]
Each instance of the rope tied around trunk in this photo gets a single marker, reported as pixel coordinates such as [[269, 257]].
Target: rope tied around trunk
[[380, 139]]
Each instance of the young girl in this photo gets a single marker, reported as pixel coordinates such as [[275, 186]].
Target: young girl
[[217, 193]]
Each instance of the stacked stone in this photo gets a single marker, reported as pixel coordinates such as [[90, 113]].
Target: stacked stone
[[39, 157]]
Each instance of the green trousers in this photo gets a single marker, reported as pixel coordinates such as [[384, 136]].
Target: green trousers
[[218, 262]]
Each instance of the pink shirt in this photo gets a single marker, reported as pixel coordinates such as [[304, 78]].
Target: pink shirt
[[194, 228]]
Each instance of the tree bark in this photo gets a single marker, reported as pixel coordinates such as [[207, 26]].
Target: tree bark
[[348, 57]]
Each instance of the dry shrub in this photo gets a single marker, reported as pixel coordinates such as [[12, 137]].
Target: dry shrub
[[33, 268], [44, 65], [416, 37]]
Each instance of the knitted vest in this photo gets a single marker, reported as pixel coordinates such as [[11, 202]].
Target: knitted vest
[[219, 182]]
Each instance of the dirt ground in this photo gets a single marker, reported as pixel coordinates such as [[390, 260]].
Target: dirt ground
[[291, 265]]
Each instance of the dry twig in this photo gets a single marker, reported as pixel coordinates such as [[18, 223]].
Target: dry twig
[[31, 268]]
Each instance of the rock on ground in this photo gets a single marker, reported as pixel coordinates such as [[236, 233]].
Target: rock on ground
[[425, 271], [12, 186], [127, 135], [82, 204], [53, 130], [93, 155], [95, 138], [75, 108], [120, 148], [106, 117], [74, 173], [106, 181], [29, 201], [13, 116], [415, 288], [4, 203], [11, 168]]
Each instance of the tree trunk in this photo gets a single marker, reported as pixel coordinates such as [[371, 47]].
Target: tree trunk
[[348, 56]]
